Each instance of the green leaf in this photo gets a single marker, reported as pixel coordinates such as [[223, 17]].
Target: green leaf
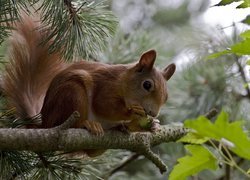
[[245, 34], [226, 2], [218, 54], [242, 48], [194, 138], [245, 4], [188, 165], [248, 62], [246, 20], [223, 129]]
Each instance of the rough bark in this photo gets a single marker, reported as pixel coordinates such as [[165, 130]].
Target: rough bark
[[63, 139]]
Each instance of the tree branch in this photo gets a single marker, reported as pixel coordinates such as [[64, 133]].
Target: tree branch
[[124, 164], [212, 113], [243, 75], [61, 139]]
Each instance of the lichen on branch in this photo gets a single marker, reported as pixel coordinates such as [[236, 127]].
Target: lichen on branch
[[63, 139]]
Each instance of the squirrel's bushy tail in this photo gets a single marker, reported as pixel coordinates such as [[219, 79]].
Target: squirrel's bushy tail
[[31, 67]]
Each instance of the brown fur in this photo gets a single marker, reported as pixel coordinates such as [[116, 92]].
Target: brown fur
[[31, 68], [36, 81]]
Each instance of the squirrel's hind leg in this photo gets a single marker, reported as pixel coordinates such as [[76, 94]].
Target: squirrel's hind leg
[[65, 95]]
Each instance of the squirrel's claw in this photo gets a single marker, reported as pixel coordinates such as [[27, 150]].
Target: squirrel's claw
[[137, 109], [94, 127]]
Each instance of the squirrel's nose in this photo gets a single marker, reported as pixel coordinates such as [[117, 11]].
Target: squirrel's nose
[[153, 114]]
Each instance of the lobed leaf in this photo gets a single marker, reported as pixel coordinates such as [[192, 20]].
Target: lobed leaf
[[246, 20], [218, 54], [222, 129], [193, 138], [245, 34], [242, 48], [243, 4], [201, 159], [225, 2]]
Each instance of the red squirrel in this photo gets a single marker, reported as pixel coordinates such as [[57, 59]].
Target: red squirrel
[[38, 81]]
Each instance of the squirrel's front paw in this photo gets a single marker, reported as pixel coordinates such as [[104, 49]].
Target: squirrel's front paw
[[137, 110], [94, 127]]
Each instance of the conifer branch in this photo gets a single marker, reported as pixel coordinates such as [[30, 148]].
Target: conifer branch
[[78, 28], [123, 164], [9, 12]]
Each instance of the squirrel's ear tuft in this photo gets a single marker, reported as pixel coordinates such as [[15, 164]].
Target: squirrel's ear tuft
[[169, 71], [147, 60]]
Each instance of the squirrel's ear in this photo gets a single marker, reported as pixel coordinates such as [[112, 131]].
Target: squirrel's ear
[[146, 61], [169, 71]]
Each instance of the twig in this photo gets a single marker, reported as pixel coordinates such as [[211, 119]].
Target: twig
[[144, 149], [124, 164], [69, 122], [212, 113], [154, 158], [243, 75], [71, 9]]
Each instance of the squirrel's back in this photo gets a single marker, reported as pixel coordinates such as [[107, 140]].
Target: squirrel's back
[[31, 67]]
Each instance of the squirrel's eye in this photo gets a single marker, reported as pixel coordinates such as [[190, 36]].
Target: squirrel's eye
[[147, 85]]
